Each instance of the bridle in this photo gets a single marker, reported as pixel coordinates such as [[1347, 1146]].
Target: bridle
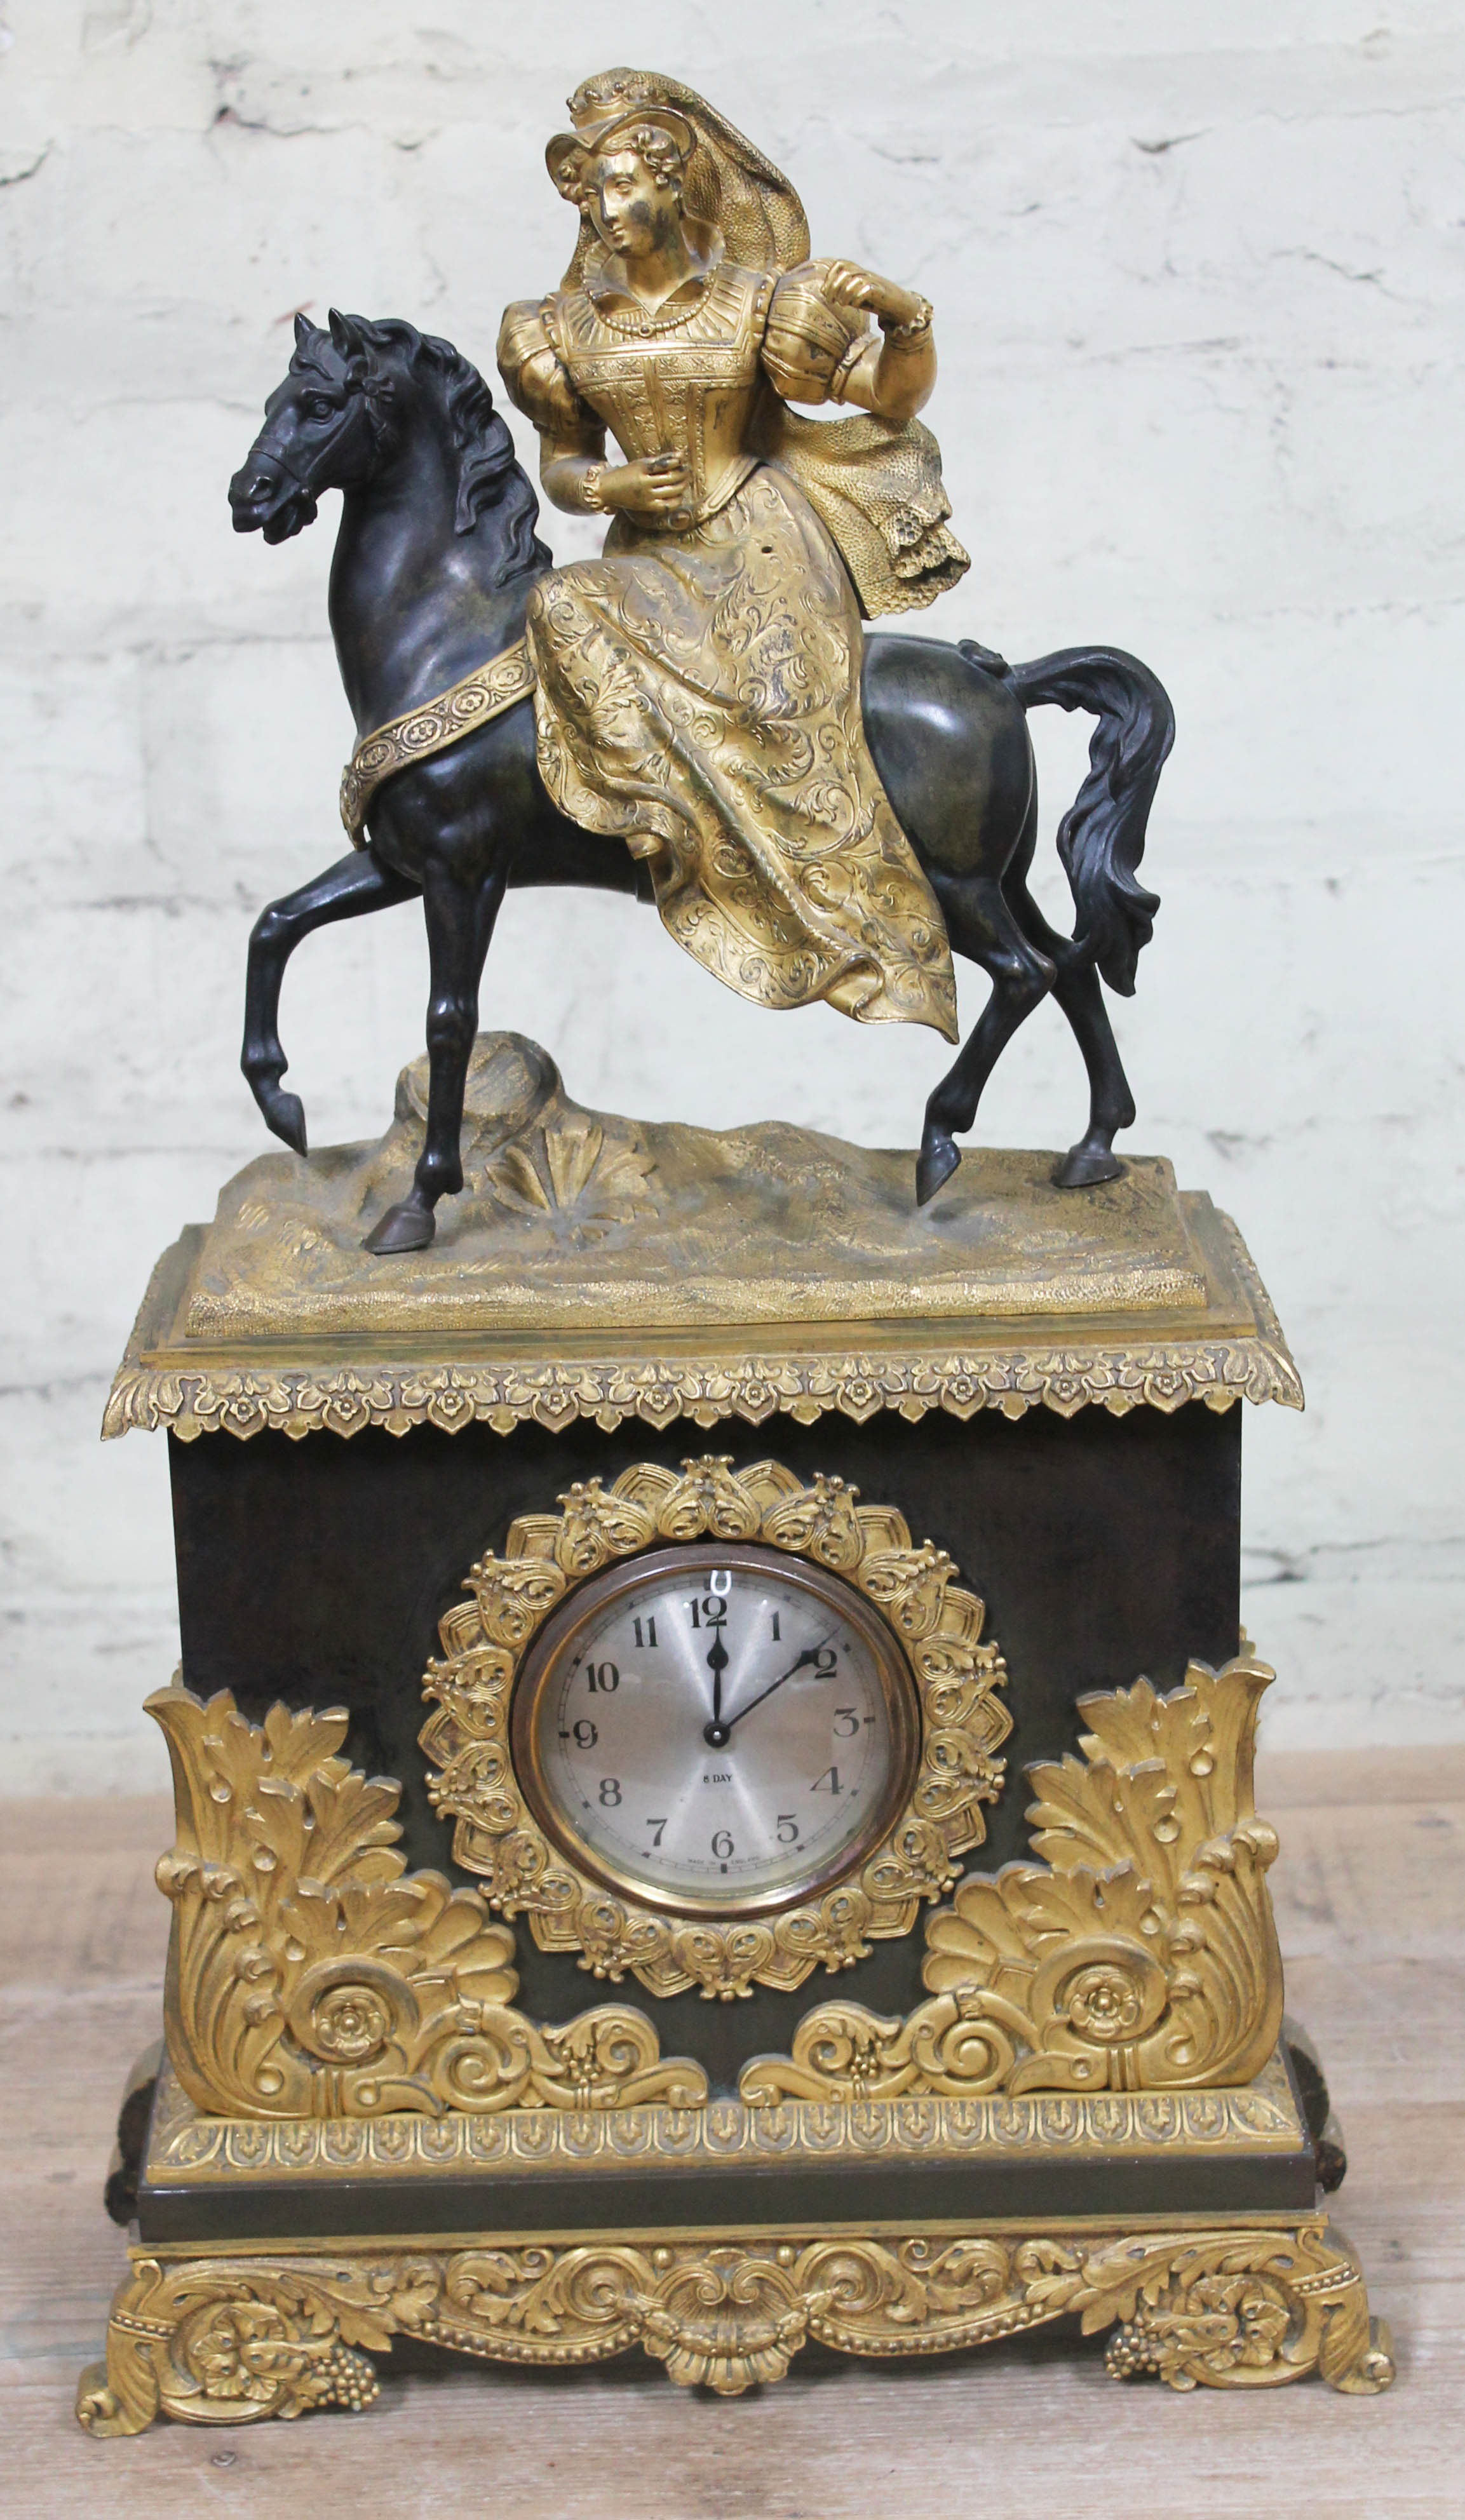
[[376, 392]]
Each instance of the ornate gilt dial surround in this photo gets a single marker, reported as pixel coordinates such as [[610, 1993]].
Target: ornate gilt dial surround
[[935, 1628]]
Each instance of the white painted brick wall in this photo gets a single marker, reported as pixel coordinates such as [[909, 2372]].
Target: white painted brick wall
[[1197, 273]]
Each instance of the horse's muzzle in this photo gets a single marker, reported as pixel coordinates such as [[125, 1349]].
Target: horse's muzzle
[[266, 499]]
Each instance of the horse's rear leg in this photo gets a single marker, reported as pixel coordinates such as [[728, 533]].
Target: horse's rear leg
[[347, 889], [980, 925], [1080, 994], [459, 926]]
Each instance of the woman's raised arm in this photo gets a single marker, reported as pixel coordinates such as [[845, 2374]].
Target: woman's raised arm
[[817, 348], [896, 371]]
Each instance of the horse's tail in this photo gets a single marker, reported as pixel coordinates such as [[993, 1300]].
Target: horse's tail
[[1101, 839]]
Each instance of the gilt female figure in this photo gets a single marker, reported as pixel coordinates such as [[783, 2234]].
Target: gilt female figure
[[698, 689]]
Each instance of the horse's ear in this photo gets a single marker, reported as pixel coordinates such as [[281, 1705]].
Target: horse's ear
[[343, 333], [304, 331]]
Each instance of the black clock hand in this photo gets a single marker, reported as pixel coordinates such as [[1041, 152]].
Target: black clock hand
[[718, 1734], [718, 1660]]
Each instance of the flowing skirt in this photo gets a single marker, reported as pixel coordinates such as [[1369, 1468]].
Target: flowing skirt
[[697, 695]]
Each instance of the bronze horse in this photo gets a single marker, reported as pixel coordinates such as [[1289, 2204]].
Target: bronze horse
[[435, 558]]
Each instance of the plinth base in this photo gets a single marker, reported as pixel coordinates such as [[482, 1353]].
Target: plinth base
[[272, 2259], [231, 2339]]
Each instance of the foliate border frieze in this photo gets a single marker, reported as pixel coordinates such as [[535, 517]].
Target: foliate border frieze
[[193, 2149], [235, 2339], [659, 1389], [346, 1400]]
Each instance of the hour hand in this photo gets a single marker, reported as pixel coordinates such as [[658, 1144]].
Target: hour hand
[[716, 1732]]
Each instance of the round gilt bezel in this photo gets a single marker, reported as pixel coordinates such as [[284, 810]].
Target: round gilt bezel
[[556, 1639], [934, 1633]]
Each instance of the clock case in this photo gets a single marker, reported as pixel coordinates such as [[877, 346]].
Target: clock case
[[329, 1500], [1102, 1548]]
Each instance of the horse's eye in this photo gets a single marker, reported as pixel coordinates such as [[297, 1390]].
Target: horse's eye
[[319, 407]]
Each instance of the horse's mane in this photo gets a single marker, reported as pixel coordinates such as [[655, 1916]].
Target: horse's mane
[[490, 473]]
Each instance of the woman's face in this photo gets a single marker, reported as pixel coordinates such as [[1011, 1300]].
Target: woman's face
[[634, 214]]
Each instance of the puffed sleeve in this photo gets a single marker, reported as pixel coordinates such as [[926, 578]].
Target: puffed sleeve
[[537, 381], [811, 345]]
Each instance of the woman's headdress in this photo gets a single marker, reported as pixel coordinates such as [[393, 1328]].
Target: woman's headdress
[[734, 200]]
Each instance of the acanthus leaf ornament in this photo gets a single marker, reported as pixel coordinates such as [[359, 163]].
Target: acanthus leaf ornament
[[939, 1627], [1142, 1955], [311, 1975]]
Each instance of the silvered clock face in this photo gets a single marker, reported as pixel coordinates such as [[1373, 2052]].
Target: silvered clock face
[[715, 1730]]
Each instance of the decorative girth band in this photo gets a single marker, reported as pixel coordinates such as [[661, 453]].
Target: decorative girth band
[[483, 695]]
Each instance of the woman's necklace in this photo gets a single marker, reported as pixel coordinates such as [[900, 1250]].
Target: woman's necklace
[[630, 325]]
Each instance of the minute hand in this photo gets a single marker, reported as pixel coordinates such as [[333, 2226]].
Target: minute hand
[[810, 1654]]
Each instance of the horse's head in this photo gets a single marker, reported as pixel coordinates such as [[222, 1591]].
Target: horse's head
[[324, 428], [353, 397]]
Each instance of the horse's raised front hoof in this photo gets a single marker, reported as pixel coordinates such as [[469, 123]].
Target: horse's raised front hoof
[[404, 1227], [1083, 1166], [935, 1163]]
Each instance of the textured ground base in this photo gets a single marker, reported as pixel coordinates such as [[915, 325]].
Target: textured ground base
[[580, 1217]]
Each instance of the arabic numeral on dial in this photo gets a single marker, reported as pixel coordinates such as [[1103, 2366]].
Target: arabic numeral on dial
[[776, 1631], [656, 1827], [708, 1611], [846, 1722], [603, 1677], [787, 1828], [826, 1663], [587, 1735], [828, 1783], [610, 1791], [722, 1845], [649, 1637]]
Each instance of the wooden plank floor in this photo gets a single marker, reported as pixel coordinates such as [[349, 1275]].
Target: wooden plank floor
[[1370, 1892]]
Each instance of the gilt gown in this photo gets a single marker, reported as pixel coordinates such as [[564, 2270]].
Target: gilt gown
[[698, 687]]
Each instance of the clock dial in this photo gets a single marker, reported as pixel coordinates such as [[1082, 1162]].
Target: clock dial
[[715, 1730]]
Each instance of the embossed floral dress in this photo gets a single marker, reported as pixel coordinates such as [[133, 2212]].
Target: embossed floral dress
[[697, 687]]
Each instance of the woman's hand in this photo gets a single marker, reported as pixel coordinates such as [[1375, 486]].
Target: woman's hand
[[848, 284], [656, 486]]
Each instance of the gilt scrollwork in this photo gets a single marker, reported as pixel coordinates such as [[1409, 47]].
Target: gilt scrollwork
[[311, 1975], [221, 2340], [1140, 1954], [496, 1836]]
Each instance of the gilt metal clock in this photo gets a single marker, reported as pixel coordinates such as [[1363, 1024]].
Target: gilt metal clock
[[717, 1731]]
